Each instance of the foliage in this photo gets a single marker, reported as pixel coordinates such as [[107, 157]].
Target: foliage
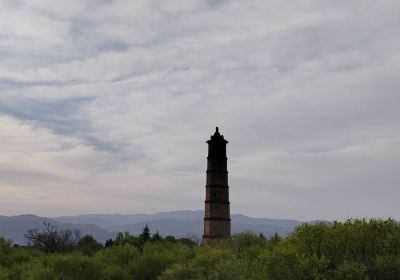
[[156, 237], [354, 249], [88, 245], [145, 234]]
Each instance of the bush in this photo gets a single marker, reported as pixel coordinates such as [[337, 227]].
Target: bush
[[74, 267], [120, 255], [88, 245]]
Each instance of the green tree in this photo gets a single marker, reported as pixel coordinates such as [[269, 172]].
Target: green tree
[[126, 238], [88, 245], [170, 238], [352, 271]]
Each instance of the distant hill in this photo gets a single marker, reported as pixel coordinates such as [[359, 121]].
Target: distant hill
[[183, 223], [113, 220], [15, 227]]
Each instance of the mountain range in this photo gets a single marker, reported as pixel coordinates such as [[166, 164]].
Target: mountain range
[[183, 223]]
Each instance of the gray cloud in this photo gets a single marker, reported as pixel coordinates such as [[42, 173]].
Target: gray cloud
[[108, 104]]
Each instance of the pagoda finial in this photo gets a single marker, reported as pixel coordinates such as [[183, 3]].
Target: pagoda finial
[[216, 137]]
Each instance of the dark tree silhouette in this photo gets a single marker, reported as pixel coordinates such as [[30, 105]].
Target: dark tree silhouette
[[145, 233], [52, 240], [156, 236], [276, 238], [109, 243]]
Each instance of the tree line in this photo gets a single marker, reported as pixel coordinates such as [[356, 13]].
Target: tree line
[[354, 249]]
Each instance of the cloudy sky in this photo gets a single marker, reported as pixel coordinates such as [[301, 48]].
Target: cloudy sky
[[105, 106]]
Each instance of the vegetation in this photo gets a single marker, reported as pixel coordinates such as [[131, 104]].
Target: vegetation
[[355, 249], [52, 240]]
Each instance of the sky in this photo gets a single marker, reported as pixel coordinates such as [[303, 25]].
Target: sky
[[105, 106]]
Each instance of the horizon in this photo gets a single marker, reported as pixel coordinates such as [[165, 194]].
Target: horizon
[[202, 210], [105, 106]]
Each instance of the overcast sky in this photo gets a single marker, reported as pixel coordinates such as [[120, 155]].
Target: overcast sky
[[105, 106]]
